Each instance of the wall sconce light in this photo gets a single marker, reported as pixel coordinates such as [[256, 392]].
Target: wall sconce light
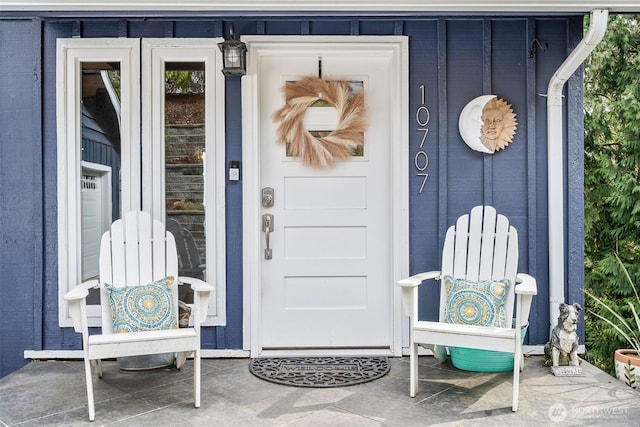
[[234, 56]]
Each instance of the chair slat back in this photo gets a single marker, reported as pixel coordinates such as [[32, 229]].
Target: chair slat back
[[135, 251], [480, 246]]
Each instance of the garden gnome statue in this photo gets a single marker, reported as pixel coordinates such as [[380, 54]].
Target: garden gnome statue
[[562, 348]]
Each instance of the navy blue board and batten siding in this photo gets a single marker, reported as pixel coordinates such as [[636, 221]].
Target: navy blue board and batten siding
[[455, 59]]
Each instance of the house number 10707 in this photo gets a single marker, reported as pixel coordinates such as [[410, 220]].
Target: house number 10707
[[421, 159]]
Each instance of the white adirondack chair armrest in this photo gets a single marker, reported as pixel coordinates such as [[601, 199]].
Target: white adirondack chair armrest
[[77, 305], [82, 290], [196, 284], [410, 287], [526, 284], [417, 279], [202, 290]]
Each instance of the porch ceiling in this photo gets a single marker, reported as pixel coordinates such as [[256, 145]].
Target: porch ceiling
[[326, 6]]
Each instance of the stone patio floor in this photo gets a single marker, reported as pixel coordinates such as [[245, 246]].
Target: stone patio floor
[[52, 393]]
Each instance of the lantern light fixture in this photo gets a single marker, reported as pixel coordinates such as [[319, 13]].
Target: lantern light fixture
[[234, 56]]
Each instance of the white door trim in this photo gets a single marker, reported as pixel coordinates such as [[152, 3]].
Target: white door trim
[[260, 46]]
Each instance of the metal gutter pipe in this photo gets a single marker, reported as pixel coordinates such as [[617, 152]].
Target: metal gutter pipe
[[595, 34]]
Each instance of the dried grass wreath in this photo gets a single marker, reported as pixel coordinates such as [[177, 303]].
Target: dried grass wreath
[[340, 143]]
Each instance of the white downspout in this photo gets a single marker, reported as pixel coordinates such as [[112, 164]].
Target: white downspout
[[597, 29]]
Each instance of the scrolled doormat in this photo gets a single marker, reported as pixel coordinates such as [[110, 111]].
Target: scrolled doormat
[[319, 371]]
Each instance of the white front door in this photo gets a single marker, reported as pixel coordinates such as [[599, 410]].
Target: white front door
[[328, 282]]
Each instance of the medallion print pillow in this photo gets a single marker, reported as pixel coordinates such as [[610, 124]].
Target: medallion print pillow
[[476, 303], [143, 308]]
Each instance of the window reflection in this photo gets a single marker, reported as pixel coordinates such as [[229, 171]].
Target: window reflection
[[99, 183], [185, 141]]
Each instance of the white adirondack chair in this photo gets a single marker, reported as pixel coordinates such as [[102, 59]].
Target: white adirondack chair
[[137, 251], [480, 246]]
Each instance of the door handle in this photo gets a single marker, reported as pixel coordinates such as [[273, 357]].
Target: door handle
[[267, 229]]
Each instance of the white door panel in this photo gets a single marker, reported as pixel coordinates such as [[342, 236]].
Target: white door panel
[[328, 282]]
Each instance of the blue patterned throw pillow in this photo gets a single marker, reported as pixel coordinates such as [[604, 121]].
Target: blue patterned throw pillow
[[476, 303], [143, 308]]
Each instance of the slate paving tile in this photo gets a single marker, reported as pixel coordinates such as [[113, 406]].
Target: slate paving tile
[[53, 394]]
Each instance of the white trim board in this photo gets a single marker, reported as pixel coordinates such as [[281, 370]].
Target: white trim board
[[343, 6], [222, 353], [78, 354]]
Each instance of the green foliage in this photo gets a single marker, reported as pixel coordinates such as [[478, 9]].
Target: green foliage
[[184, 81], [114, 79], [612, 183], [614, 315]]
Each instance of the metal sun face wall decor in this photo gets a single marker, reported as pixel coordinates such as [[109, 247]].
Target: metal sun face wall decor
[[339, 143], [487, 124]]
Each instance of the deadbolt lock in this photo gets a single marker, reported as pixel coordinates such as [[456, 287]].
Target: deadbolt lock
[[267, 197]]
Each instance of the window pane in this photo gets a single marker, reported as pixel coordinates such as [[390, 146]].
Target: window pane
[[185, 141], [99, 183]]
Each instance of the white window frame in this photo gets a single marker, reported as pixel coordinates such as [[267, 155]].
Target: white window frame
[[71, 53], [155, 53], [140, 186]]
